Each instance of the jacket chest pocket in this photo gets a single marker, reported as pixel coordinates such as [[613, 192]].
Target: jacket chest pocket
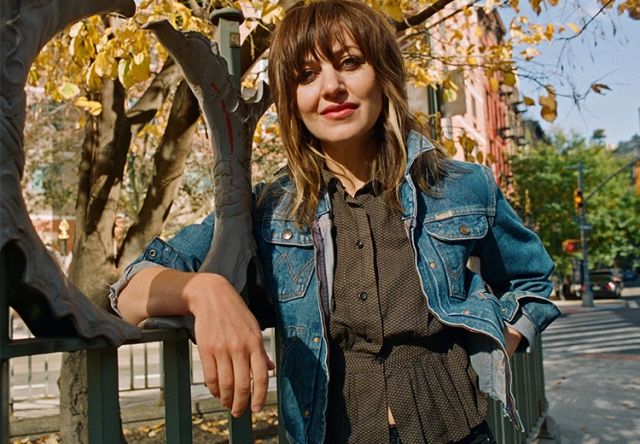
[[454, 239], [292, 260]]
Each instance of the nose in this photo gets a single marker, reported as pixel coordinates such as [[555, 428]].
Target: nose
[[332, 82]]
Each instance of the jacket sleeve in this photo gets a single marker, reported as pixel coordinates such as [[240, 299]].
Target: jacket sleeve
[[185, 252], [516, 266]]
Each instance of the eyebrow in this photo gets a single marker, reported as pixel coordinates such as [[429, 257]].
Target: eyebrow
[[338, 52]]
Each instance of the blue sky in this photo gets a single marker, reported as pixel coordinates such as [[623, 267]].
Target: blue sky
[[598, 55]]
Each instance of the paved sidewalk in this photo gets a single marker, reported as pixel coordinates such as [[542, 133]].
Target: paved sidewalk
[[592, 373]]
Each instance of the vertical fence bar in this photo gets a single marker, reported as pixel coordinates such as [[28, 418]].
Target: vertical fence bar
[[102, 392], [177, 391], [4, 339]]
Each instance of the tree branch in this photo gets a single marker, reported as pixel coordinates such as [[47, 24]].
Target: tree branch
[[152, 99], [422, 16]]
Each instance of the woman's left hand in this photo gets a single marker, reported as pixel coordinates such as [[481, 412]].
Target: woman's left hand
[[512, 339]]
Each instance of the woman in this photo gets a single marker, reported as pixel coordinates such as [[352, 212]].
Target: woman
[[363, 245]]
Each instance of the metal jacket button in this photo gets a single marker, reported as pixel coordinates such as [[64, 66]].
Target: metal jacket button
[[464, 229], [153, 253], [359, 244], [287, 235]]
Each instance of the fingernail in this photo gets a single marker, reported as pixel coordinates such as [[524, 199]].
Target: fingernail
[[256, 408]]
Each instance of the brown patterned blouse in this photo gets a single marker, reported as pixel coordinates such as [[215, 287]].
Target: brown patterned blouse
[[386, 348]]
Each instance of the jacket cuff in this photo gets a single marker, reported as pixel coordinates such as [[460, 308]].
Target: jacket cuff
[[523, 325], [117, 287]]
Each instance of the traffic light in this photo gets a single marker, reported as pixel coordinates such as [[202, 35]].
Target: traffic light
[[571, 246], [577, 199]]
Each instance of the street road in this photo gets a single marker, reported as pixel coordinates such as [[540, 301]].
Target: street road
[[592, 371]]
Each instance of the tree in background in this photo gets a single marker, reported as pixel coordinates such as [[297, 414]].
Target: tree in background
[[141, 119], [543, 193]]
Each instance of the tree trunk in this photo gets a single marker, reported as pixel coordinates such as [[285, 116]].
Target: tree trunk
[[169, 162], [93, 265]]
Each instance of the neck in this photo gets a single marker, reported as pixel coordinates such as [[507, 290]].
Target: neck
[[351, 165]]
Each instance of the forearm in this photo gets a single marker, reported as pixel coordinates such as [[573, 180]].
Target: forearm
[[159, 291]]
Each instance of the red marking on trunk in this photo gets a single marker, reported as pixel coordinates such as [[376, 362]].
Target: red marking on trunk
[[231, 181], [213, 85], [229, 126]]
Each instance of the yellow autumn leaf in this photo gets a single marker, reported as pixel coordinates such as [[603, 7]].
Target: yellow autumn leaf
[[480, 157], [509, 79], [548, 33], [450, 146], [81, 49], [393, 9], [75, 29], [530, 53], [105, 66], [124, 73], [598, 87], [271, 13], [574, 27], [535, 5], [68, 90], [449, 95], [528, 101], [495, 85], [94, 81], [549, 105], [478, 31], [140, 68], [91, 106]]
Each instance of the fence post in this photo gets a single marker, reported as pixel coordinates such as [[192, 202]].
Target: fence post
[[177, 391], [4, 363], [103, 396]]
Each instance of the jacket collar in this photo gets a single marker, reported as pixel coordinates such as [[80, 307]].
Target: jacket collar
[[417, 144]]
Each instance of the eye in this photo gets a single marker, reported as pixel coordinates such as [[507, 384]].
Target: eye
[[306, 76], [352, 62]]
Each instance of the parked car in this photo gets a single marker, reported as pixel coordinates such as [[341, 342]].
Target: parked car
[[629, 275], [606, 283]]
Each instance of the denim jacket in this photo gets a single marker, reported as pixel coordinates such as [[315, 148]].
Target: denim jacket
[[468, 217]]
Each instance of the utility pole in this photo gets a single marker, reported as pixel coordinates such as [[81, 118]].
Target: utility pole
[[587, 295]]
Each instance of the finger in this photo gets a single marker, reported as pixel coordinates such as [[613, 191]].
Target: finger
[[225, 380], [260, 366], [210, 372], [242, 385]]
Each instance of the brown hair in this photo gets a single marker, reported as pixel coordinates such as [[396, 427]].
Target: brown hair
[[314, 29]]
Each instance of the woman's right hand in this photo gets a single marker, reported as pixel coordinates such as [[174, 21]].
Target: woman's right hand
[[229, 342], [227, 333]]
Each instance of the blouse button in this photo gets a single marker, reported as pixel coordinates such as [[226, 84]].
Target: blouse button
[[379, 360], [363, 296], [287, 235], [153, 253], [464, 229], [359, 244]]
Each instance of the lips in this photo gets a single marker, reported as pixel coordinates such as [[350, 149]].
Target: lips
[[339, 111]]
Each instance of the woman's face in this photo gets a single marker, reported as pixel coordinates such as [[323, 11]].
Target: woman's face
[[339, 100]]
